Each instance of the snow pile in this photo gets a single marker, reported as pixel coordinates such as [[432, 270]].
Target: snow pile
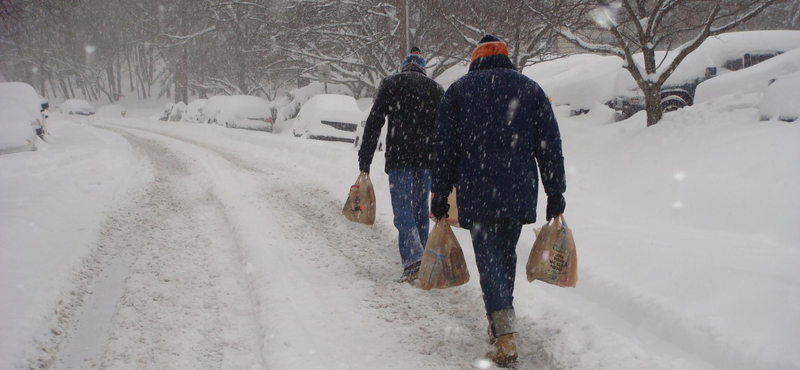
[[749, 80], [52, 205], [781, 99], [451, 74], [111, 111], [193, 112], [76, 106], [20, 116], [300, 96], [580, 81], [239, 111]]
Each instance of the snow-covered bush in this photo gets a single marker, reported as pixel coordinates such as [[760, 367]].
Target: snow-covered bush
[[76, 106], [177, 112], [167, 111], [20, 117], [781, 99], [194, 111], [111, 111]]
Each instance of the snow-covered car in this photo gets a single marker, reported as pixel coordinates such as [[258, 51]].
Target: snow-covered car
[[76, 106], [363, 125], [21, 117], [717, 56], [194, 111], [112, 111], [330, 117], [750, 80], [239, 111], [781, 100]]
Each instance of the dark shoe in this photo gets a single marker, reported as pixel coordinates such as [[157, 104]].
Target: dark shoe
[[410, 273]]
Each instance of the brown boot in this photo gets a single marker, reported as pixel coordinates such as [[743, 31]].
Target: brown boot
[[505, 350]]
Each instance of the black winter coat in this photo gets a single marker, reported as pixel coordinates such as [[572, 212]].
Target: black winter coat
[[493, 126], [410, 100]]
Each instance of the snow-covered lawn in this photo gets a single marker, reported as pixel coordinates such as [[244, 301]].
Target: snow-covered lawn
[[686, 232]]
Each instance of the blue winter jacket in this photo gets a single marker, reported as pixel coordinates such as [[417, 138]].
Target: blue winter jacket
[[492, 127]]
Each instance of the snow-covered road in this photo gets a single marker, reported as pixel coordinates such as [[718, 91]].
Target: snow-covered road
[[228, 250]]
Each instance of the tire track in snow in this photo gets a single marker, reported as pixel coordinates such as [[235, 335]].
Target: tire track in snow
[[183, 304]]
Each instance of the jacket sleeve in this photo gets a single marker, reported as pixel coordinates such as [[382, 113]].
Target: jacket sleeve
[[547, 149], [446, 135], [375, 122]]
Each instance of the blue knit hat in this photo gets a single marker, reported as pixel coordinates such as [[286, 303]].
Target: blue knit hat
[[414, 58]]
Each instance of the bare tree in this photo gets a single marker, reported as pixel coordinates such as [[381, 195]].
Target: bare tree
[[628, 27]]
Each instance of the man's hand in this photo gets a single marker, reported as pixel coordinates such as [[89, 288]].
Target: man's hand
[[555, 205], [439, 206], [364, 167]]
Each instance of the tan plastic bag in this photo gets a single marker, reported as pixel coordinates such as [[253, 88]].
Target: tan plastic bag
[[443, 263], [553, 258], [360, 204]]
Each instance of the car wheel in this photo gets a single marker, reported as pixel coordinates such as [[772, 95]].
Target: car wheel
[[672, 103]]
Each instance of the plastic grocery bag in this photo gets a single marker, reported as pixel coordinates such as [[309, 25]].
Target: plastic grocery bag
[[553, 258], [443, 263], [452, 212], [360, 204]]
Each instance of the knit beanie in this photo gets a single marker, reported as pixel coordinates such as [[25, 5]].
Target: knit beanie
[[488, 46], [414, 58]]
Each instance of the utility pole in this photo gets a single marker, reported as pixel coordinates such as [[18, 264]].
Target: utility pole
[[408, 32]]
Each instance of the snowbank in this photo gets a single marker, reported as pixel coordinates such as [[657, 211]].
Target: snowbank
[[51, 207], [749, 80], [452, 74], [781, 99]]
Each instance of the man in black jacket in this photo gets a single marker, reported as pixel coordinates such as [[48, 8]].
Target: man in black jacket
[[410, 100]]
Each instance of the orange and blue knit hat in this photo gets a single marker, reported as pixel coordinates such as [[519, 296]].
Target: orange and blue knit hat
[[488, 46]]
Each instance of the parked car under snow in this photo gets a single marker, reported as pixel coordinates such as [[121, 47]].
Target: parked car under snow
[[76, 106], [238, 111], [194, 111], [330, 117], [22, 117], [781, 100]]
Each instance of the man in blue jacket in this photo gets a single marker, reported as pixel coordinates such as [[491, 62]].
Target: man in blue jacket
[[493, 126]]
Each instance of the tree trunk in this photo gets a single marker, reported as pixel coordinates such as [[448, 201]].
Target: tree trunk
[[130, 70], [652, 96]]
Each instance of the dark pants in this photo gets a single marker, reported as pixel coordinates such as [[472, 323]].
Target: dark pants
[[495, 244]]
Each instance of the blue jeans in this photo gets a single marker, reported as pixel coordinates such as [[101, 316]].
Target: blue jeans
[[495, 245], [410, 189]]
